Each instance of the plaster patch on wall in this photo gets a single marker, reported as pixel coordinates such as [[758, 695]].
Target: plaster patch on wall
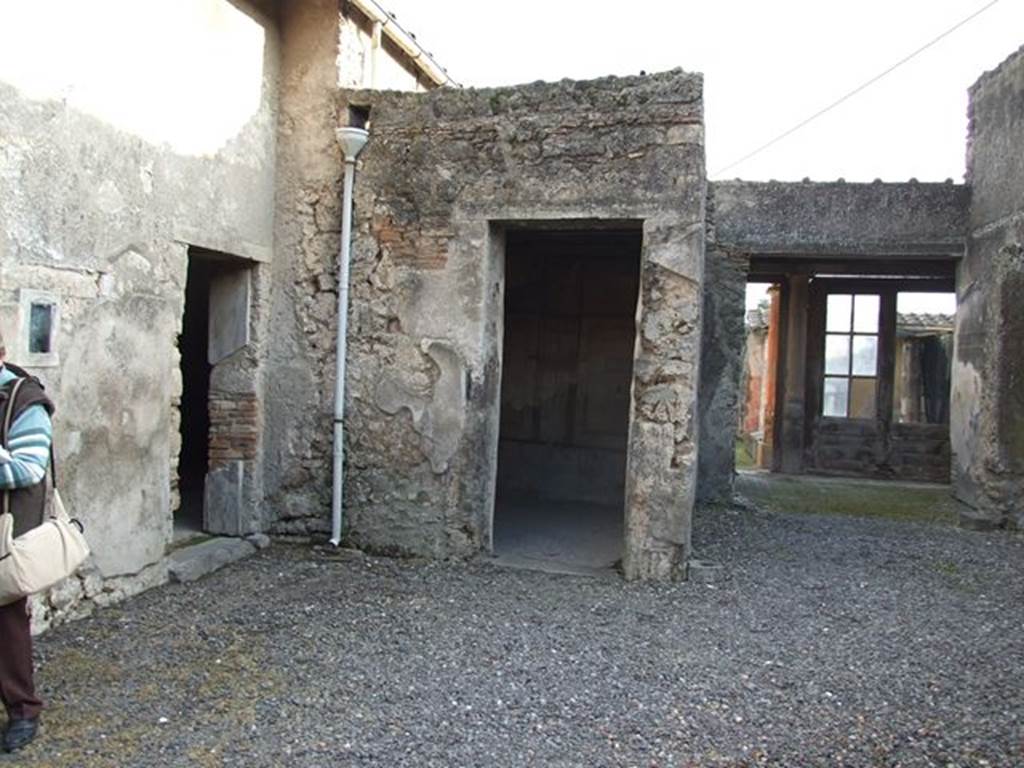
[[81, 62], [965, 407], [438, 408]]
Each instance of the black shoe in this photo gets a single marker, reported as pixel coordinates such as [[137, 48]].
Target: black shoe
[[20, 733]]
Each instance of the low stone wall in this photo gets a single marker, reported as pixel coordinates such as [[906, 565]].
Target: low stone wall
[[79, 596], [839, 218]]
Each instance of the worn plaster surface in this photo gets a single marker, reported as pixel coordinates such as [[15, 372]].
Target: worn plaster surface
[[307, 225], [987, 408], [96, 209]]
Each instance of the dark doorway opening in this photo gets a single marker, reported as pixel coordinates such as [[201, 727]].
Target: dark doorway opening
[[569, 335], [193, 346]]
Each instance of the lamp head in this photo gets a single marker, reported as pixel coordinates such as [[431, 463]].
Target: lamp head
[[352, 141]]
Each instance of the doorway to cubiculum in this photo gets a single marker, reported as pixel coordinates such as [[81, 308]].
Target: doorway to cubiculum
[[569, 337], [215, 327], [193, 348]]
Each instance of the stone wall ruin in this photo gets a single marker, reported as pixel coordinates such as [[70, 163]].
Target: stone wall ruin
[[444, 176], [987, 408]]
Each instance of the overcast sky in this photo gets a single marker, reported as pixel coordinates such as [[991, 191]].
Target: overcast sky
[[766, 66]]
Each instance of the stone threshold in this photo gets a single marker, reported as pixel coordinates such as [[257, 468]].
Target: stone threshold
[[194, 561]]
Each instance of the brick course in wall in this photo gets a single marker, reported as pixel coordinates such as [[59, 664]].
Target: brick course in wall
[[234, 427]]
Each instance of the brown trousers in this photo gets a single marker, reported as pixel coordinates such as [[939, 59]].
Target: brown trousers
[[16, 686]]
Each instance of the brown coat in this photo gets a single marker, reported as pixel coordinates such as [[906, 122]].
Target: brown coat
[[27, 504]]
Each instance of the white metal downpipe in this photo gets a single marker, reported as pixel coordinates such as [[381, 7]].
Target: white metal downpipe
[[352, 140]]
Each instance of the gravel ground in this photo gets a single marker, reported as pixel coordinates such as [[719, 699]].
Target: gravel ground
[[832, 641]]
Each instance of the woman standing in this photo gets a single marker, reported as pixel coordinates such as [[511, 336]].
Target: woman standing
[[24, 458]]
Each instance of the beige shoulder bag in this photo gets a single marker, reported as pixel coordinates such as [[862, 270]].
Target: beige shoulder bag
[[45, 555]]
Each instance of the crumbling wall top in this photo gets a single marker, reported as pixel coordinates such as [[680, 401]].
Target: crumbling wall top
[[995, 133], [839, 218], [665, 90], [1001, 70]]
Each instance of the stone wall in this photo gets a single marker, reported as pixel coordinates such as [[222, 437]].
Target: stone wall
[[442, 176], [721, 374], [104, 183], [111, 176], [320, 50], [837, 218], [987, 408], [299, 409]]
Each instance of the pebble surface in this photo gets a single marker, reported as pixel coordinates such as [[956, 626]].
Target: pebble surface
[[827, 642]]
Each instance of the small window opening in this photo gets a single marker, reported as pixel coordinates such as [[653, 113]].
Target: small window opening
[[40, 332], [358, 116]]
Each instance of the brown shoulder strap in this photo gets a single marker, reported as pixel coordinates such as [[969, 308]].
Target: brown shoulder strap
[[5, 499], [9, 414]]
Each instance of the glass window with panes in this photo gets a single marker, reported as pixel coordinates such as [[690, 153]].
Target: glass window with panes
[[851, 356]]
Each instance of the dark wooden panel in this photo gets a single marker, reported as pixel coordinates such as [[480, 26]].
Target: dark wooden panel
[[519, 416], [605, 376], [557, 376]]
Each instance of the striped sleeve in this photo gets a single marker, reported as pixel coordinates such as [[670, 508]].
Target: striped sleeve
[[24, 461]]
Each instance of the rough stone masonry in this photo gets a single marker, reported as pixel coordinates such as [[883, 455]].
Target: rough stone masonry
[[987, 413], [444, 176]]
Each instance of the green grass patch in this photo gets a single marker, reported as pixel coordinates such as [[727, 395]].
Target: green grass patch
[[859, 498], [947, 568], [743, 458]]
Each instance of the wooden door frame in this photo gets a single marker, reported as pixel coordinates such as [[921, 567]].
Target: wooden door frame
[[882, 424]]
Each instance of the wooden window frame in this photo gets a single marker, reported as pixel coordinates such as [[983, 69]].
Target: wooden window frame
[[850, 335], [821, 288]]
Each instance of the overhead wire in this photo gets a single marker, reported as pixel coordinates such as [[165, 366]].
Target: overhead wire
[[858, 89]]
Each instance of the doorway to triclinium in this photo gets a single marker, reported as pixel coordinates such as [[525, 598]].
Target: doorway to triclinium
[[569, 335]]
